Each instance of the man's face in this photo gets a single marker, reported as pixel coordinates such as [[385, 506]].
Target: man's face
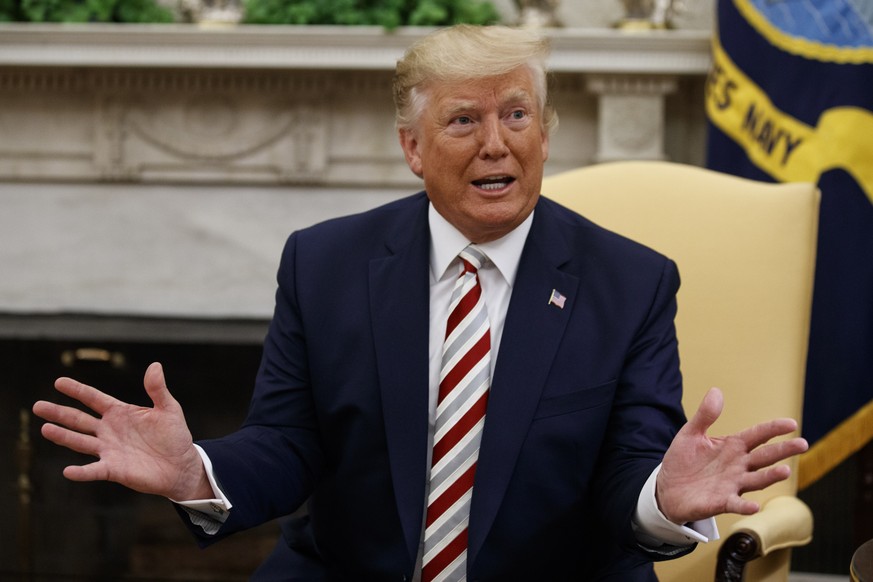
[[480, 147]]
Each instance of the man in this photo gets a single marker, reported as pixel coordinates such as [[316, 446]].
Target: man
[[489, 411]]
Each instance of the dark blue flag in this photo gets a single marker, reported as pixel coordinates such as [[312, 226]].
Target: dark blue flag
[[790, 98]]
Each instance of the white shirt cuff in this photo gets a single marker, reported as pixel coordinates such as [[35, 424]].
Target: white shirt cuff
[[209, 514], [653, 529]]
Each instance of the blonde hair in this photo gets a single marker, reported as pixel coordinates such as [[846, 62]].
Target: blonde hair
[[464, 52]]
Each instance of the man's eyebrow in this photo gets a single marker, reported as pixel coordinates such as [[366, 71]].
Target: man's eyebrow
[[511, 96], [517, 95], [460, 106]]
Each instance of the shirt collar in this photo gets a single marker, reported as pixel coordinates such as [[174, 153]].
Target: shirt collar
[[446, 242]]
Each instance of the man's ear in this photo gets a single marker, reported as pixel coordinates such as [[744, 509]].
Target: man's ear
[[409, 143], [545, 145]]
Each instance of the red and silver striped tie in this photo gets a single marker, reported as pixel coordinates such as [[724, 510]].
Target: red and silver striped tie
[[465, 377]]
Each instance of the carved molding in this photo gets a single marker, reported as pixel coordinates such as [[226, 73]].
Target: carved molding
[[249, 126], [109, 141], [279, 105], [308, 83], [224, 132], [631, 118], [647, 85]]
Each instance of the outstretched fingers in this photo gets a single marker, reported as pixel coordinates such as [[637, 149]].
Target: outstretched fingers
[[156, 387], [764, 456], [76, 441], [741, 506], [763, 478], [761, 433], [68, 427], [147, 449], [763, 469], [94, 399], [707, 413], [769, 454], [95, 471], [72, 418]]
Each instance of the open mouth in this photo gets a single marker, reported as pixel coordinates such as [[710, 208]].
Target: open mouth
[[494, 182]]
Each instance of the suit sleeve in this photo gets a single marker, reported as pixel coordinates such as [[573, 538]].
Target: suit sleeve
[[269, 466], [647, 413]]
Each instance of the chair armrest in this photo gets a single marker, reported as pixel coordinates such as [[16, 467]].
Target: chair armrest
[[783, 522]]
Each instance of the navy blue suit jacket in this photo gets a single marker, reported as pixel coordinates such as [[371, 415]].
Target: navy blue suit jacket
[[584, 401]]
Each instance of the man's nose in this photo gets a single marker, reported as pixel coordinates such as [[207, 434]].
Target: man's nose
[[493, 139]]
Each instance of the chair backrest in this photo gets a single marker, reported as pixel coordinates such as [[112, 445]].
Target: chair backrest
[[746, 254]]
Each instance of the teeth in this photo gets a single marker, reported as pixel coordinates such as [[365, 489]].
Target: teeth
[[495, 183]]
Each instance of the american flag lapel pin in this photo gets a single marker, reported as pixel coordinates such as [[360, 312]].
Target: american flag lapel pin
[[557, 299]]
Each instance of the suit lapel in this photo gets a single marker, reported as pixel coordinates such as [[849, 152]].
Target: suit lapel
[[399, 305], [531, 336]]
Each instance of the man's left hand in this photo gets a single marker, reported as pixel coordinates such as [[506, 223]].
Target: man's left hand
[[703, 476]]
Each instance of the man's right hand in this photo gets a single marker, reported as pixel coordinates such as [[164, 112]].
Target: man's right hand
[[145, 449]]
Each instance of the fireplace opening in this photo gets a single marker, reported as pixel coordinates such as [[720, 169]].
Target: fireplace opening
[[55, 529]]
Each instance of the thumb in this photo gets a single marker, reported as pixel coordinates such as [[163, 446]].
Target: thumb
[[707, 413], [156, 386]]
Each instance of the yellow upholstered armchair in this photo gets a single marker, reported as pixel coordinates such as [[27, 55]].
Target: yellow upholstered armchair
[[746, 254]]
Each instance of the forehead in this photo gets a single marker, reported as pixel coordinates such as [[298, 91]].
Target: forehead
[[514, 86]]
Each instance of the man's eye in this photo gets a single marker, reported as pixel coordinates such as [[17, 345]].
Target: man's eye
[[518, 114], [463, 120]]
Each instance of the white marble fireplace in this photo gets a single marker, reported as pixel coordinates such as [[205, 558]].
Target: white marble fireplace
[[155, 171]]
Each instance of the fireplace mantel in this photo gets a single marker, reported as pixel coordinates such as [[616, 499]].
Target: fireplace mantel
[[299, 104], [155, 170], [575, 50]]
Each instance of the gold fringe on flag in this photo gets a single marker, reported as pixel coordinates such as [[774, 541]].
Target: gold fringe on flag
[[835, 447]]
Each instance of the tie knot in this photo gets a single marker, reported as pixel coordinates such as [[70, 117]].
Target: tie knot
[[472, 256]]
